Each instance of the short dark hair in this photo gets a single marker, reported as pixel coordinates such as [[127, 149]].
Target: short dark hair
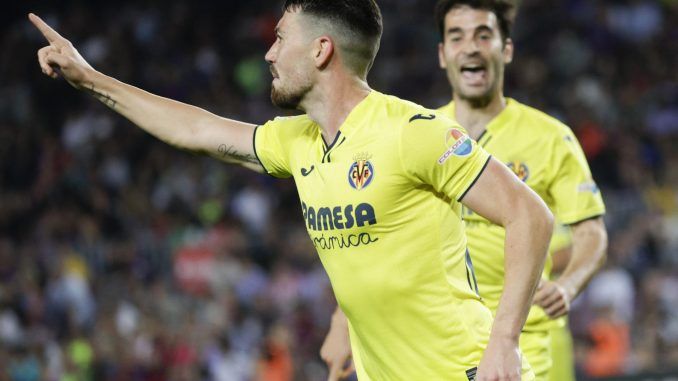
[[505, 10], [359, 17]]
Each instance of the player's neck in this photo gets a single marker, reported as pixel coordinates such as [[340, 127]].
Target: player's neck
[[331, 101], [476, 119]]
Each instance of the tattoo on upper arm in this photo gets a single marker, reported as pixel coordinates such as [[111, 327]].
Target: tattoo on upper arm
[[103, 97], [229, 151]]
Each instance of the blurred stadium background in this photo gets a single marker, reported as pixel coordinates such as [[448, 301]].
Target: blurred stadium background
[[124, 259]]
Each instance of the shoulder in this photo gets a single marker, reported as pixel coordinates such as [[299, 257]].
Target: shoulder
[[446, 109], [298, 122], [290, 126], [410, 115], [429, 133], [541, 122]]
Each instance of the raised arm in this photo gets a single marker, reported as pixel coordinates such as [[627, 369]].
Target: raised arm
[[178, 124], [502, 198]]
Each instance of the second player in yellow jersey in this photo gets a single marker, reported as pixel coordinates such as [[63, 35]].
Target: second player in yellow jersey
[[544, 154], [475, 48]]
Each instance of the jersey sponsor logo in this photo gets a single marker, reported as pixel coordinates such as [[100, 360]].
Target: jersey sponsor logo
[[330, 219], [520, 169], [361, 172], [338, 217], [341, 241], [588, 186], [458, 143], [423, 117]]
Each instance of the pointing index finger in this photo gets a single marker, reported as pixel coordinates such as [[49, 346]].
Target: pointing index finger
[[50, 34]]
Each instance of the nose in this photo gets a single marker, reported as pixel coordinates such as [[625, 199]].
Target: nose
[[470, 46], [271, 54]]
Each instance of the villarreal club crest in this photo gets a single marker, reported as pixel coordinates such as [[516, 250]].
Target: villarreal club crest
[[520, 169], [361, 172]]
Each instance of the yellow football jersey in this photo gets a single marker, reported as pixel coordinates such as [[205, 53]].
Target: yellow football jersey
[[546, 155], [381, 206]]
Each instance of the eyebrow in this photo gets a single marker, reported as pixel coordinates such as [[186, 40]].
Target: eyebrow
[[480, 28], [454, 30], [484, 28]]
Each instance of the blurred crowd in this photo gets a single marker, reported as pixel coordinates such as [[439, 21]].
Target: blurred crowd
[[122, 258]]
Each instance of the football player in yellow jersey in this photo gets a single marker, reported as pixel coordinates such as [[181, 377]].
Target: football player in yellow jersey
[[381, 183], [541, 151]]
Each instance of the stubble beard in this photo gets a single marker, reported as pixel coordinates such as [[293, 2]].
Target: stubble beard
[[288, 100], [478, 101]]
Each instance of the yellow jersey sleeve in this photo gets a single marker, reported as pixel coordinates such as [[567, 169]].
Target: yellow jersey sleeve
[[437, 151], [576, 196], [269, 147]]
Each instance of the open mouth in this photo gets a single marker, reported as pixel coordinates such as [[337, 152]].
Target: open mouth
[[473, 73]]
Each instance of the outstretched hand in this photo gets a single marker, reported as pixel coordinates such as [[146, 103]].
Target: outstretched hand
[[60, 57]]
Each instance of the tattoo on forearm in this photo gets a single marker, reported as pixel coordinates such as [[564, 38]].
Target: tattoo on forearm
[[229, 151], [103, 97]]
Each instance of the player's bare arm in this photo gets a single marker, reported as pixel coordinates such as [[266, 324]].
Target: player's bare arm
[[588, 254], [529, 225], [183, 126], [336, 349], [560, 258]]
